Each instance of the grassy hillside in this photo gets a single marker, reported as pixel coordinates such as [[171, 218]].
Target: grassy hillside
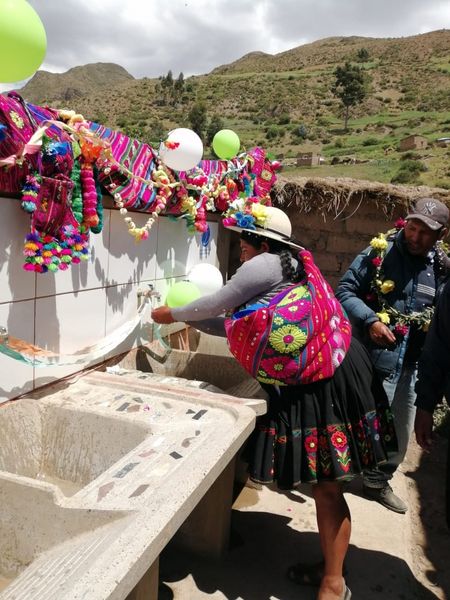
[[284, 103]]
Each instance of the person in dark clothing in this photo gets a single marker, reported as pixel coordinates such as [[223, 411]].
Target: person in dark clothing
[[388, 293], [434, 369]]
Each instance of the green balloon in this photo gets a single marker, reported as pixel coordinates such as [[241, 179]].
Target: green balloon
[[182, 293], [226, 144], [23, 41]]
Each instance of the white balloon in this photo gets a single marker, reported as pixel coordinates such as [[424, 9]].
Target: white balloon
[[206, 277], [182, 150]]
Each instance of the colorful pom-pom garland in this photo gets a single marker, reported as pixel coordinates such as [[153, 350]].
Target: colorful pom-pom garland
[[45, 253]]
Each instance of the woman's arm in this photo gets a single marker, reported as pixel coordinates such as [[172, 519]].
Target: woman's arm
[[253, 277]]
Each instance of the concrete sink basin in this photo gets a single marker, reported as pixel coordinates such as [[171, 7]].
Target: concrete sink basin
[[97, 474], [63, 444]]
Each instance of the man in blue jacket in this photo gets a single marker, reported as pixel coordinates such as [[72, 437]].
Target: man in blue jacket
[[388, 293]]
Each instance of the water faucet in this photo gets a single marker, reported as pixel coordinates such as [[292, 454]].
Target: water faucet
[[149, 293], [4, 337]]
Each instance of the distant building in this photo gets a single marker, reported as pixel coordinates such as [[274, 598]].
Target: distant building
[[413, 142], [308, 159], [443, 142]]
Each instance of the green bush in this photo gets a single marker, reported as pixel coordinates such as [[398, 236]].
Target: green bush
[[414, 166], [284, 119], [409, 172], [371, 141], [271, 133], [443, 184], [405, 177], [409, 156]]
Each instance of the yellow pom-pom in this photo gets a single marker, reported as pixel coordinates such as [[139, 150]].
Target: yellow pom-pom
[[384, 317], [387, 286]]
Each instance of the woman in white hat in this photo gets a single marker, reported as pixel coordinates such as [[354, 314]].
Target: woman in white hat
[[323, 431]]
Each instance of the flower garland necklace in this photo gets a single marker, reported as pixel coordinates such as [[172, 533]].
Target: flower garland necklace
[[380, 287]]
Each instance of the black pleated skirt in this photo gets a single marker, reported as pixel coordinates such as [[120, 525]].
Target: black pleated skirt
[[325, 431]]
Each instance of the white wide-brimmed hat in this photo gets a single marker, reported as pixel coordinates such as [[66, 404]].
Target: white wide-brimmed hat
[[277, 226]]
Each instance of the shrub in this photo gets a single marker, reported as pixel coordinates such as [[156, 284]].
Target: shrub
[[271, 133], [409, 156], [409, 172], [405, 177], [443, 184], [371, 141], [284, 119], [302, 131], [414, 166]]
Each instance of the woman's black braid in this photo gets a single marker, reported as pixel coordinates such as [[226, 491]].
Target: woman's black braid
[[289, 271]]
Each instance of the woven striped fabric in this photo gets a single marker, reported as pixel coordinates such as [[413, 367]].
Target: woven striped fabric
[[21, 120], [135, 156], [16, 132]]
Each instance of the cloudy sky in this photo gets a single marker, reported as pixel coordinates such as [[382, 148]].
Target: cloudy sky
[[149, 37]]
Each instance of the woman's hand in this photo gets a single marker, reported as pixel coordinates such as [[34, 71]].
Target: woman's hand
[[162, 315]]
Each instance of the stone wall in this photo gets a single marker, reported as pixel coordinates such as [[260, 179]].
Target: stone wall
[[335, 241]]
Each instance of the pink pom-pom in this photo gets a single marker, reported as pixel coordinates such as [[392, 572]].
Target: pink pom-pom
[[229, 221]]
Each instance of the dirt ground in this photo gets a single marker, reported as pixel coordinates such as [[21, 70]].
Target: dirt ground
[[431, 549], [391, 557]]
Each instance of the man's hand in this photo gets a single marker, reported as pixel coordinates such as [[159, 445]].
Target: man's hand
[[162, 315], [381, 335], [423, 426]]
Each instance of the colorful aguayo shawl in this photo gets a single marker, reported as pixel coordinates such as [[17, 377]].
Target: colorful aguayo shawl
[[301, 337], [135, 156]]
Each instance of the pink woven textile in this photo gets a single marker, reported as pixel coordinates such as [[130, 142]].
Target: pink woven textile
[[301, 337]]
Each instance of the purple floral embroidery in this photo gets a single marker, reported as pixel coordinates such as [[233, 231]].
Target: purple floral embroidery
[[295, 312]]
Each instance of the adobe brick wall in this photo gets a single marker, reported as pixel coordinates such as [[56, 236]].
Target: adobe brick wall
[[335, 242]]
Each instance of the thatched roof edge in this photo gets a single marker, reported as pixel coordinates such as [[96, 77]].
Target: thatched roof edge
[[333, 195]]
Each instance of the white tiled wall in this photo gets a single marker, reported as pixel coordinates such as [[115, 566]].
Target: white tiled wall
[[70, 311]]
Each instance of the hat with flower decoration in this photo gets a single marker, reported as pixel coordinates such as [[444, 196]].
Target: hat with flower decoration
[[259, 219]]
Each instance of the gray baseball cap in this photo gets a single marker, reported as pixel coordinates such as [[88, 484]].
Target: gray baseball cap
[[430, 211]]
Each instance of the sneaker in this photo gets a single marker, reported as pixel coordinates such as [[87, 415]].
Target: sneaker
[[386, 497]]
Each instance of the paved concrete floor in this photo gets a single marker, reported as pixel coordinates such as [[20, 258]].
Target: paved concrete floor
[[271, 530]]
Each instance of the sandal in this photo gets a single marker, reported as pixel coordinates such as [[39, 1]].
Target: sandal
[[346, 595], [310, 574]]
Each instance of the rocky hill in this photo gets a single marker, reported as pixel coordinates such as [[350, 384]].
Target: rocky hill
[[285, 103], [75, 83]]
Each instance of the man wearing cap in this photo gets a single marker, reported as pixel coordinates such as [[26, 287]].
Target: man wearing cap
[[414, 266]]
